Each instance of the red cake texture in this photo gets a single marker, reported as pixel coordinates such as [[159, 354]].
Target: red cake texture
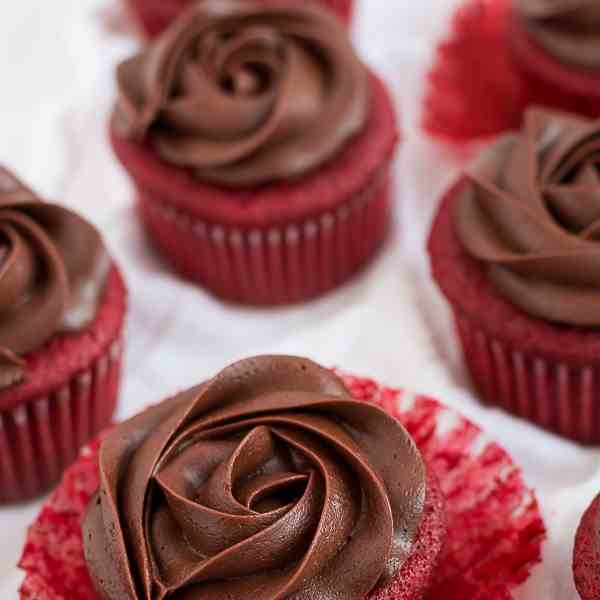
[[542, 372], [154, 15], [494, 528], [279, 243], [69, 396], [488, 70], [586, 555]]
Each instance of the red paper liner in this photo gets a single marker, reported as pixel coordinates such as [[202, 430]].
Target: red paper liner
[[286, 264], [557, 396], [495, 530], [154, 15], [39, 439], [488, 71], [586, 554]]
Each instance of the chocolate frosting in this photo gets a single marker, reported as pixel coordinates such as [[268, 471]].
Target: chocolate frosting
[[568, 29], [244, 93], [51, 265], [268, 482], [531, 214]]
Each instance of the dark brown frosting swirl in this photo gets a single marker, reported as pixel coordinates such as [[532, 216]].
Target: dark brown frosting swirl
[[52, 264], [531, 214], [568, 29], [268, 482], [244, 93]]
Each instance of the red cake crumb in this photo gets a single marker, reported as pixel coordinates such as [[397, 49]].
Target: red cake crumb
[[494, 535], [586, 555]]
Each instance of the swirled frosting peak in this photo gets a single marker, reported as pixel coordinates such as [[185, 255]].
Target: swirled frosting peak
[[268, 482], [531, 214], [51, 268], [568, 29], [243, 93]]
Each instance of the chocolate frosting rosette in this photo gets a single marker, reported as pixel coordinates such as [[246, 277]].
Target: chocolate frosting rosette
[[245, 94], [532, 216], [62, 306], [269, 481]]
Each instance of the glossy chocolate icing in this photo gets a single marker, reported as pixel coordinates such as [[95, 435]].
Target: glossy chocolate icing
[[531, 214], [245, 93], [270, 481], [52, 267]]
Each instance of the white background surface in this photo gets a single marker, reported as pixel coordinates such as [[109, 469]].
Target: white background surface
[[56, 63]]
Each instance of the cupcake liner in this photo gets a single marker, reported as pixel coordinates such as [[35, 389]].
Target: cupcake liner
[[39, 439], [557, 396], [155, 15], [278, 265], [495, 530], [473, 89], [488, 70]]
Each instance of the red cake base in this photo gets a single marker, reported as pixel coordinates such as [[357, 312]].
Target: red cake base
[[494, 528], [586, 555], [280, 243], [548, 374], [488, 70], [154, 15], [70, 395]]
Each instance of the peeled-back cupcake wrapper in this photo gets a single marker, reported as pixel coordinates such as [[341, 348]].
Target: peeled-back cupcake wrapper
[[557, 396], [40, 438], [488, 70], [278, 265], [155, 15], [495, 529]]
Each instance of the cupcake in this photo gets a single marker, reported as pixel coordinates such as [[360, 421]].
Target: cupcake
[[153, 16], [515, 250], [62, 305], [586, 554], [502, 57], [260, 149], [281, 479]]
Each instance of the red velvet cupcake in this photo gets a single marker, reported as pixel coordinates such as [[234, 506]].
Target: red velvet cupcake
[[288, 481], [260, 148], [62, 305], [154, 16], [505, 55], [586, 554], [514, 249]]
